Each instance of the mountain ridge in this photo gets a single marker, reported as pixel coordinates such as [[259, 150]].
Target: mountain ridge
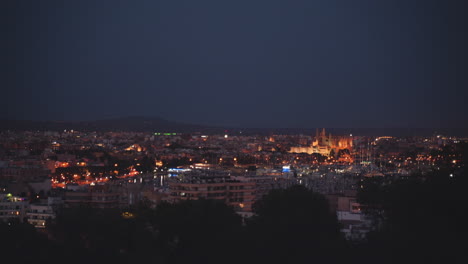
[[158, 124], [129, 123]]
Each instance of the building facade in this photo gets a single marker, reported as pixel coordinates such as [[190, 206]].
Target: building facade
[[12, 208], [238, 194], [324, 144]]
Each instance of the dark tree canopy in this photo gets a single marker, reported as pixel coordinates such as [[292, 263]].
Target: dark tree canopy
[[421, 218], [101, 235], [201, 231], [294, 225]]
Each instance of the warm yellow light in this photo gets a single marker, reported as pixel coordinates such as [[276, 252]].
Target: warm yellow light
[[127, 215]]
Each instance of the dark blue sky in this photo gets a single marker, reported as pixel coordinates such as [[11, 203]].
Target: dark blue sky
[[257, 63]]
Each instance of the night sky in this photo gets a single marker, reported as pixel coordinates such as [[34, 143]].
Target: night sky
[[255, 63]]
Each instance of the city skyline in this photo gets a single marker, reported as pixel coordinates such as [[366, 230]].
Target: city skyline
[[249, 131]]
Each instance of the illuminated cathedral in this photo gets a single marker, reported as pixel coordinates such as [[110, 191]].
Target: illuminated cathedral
[[324, 144]]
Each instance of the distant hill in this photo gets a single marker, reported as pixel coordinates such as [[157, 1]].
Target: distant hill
[[132, 123], [394, 131], [156, 124]]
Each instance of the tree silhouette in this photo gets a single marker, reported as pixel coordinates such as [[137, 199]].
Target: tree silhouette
[[102, 235], [294, 225], [21, 243], [423, 219], [201, 231]]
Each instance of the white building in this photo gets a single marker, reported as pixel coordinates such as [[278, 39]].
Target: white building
[[38, 214], [355, 224], [12, 207]]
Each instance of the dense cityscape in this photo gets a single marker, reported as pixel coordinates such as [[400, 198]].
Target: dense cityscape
[[232, 132], [46, 175]]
